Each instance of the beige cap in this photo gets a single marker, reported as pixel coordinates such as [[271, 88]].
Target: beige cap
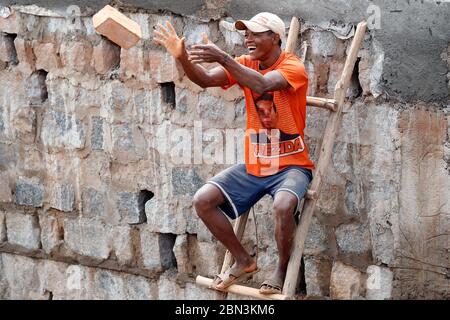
[[263, 21]]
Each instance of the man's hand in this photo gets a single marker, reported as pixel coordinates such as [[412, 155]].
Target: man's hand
[[208, 52], [168, 38]]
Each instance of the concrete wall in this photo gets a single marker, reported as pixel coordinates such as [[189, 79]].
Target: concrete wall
[[96, 187]]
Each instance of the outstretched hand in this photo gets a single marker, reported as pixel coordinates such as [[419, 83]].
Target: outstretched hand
[[206, 52], [168, 38]]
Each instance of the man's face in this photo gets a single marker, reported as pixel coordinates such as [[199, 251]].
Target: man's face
[[259, 44], [267, 114]]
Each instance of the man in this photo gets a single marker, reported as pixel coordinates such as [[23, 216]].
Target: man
[[285, 176]]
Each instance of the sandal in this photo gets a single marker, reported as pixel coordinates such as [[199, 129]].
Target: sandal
[[271, 286], [231, 276]]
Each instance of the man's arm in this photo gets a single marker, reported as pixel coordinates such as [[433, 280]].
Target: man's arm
[[247, 77], [167, 37]]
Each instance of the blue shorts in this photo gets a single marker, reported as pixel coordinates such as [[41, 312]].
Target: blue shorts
[[242, 190]]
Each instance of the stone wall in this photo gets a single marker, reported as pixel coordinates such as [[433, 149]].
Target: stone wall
[[99, 161]]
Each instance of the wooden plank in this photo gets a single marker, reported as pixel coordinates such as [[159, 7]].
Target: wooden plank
[[241, 290], [293, 35], [324, 156]]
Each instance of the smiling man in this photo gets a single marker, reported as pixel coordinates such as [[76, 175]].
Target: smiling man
[[282, 168]]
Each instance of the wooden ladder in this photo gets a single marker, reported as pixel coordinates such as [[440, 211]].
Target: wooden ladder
[[335, 106]]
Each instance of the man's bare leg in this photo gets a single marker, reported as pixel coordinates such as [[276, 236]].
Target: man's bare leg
[[205, 202], [284, 205]]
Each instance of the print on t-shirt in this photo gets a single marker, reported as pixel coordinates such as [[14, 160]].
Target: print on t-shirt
[[271, 141]]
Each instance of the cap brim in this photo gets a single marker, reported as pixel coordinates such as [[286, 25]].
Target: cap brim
[[250, 25]]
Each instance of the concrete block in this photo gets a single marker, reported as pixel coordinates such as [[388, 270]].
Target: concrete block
[[23, 230], [117, 27]]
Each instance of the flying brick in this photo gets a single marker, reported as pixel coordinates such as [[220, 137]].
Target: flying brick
[[117, 27]]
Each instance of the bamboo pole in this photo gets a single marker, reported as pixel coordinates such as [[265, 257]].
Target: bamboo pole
[[293, 35], [239, 228], [324, 103], [241, 290], [324, 156]]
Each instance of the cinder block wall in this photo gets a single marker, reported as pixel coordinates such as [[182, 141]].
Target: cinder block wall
[[98, 169]]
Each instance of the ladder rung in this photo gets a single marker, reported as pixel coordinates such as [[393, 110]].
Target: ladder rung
[[324, 103], [241, 290], [311, 194]]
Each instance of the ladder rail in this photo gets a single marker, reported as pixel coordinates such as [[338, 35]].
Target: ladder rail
[[324, 160]]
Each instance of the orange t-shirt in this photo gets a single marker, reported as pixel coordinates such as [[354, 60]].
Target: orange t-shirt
[[269, 149]]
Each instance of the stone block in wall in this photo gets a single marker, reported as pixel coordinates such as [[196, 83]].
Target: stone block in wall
[[122, 244], [76, 55], [36, 88], [211, 107], [29, 192], [169, 289], [5, 190], [98, 133], [209, 258], [124, 146], [165, 219], [8, 53], [2, 227], [21, 277], [353, 238], [129, 210], [106, 56], [62, 197], [181, 252], [162, 66], [379, 283], [151, 257], [185, 181], [23, 230], [88, 238], [61, 130], [23, 124], [108, 285], [25, 56], [132, 64], [47, 56], [9, 20], [193, 291], [51, 233], [139, 288], [317, 239], [94, 202], [345, 282], [322, 44], [317, 276]]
